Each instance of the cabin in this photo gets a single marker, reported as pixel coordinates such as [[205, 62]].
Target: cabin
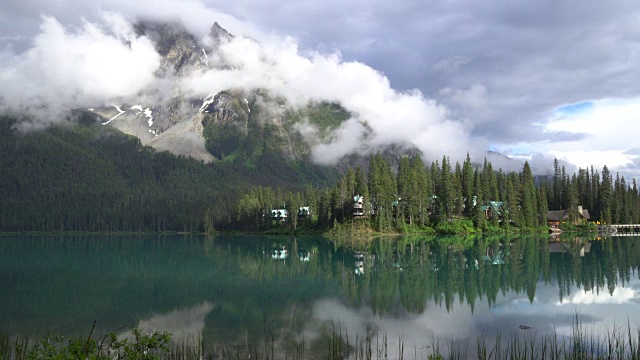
[[557, 217], [358, 206], [304, 212], [493, 257], [359, 258], [279, 214], [279, 253], [559, 247], [494, 209], [396, 205]]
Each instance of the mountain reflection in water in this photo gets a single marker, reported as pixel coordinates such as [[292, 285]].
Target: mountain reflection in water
[[232, 290]]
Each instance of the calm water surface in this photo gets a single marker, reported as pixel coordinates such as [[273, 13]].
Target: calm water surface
[[235, 290]]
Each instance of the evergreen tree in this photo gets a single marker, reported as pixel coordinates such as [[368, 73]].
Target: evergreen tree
[[457, 189], [556, 194], [467, 186], [446, 191], [405, 191], [479, 218], [571, 193], [422, 188], [543, 207], [528, 198], [605, 195]]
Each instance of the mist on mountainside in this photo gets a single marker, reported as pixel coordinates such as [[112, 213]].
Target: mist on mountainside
[[190, 95]]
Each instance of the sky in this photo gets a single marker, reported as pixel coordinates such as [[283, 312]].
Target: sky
[[529, 79], [545, 314]]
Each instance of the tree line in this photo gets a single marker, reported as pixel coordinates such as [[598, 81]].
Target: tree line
[[441, 196], [94, 178]]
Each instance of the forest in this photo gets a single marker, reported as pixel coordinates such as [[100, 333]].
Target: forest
[[80, 177], [77, 177], [442, 198]]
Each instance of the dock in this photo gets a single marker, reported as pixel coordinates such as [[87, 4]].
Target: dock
[[621, 229]]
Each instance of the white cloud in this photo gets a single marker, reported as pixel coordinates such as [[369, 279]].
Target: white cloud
[[96, 63], [611, 128], [501, 74], [620, 296], [393, 117], [183, 324]]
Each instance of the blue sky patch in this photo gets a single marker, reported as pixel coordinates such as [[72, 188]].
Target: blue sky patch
[[576, 108]]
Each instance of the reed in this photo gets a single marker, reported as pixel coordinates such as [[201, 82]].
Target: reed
[[619, 342]]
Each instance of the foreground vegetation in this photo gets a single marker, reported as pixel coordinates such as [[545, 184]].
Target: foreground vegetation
[[617, 343]]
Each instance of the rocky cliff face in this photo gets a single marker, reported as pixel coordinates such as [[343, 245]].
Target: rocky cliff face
[[181, 52], [168, 120], [231, 123]]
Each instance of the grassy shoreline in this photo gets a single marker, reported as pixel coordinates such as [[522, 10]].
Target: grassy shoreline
[[618, 343]]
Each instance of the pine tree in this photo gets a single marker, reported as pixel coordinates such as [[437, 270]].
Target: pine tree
[[422, 188], [479, 218], [446, 193], [571, 193], [556, 193], [457, 190], [543, 207], [405, 191], [529, 198], [467, 186], [605, 196]]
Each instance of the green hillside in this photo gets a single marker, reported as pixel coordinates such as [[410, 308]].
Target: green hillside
[[94, 178]]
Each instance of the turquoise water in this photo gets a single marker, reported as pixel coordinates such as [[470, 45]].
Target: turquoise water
[[235, 290]]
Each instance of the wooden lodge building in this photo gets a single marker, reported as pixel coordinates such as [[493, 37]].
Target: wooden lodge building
[[557, 217]]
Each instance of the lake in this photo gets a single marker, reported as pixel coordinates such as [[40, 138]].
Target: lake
[[235, 292]]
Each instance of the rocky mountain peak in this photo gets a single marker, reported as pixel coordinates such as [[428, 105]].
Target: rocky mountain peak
[[219, 34], [181, 52]]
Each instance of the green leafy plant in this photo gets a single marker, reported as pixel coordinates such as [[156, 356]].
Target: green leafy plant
[[139, 347]]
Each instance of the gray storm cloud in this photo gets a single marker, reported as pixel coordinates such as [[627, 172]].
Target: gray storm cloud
[[498, 72]]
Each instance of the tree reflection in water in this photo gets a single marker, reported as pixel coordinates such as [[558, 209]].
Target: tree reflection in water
[[60, 283]]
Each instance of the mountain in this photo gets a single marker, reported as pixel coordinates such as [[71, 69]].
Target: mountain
[[162, 159], [231, 125], [89, 177]]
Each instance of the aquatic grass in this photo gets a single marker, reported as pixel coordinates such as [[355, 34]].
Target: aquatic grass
[[617, 343], [5, 346]]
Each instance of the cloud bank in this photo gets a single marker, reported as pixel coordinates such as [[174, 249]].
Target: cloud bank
[[103, 62], [382, 116], [66, 69], [499, 72]]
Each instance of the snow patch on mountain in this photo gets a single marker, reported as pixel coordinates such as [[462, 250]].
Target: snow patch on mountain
[[149, 114], [206, 57], [206, 102], [120, 112]]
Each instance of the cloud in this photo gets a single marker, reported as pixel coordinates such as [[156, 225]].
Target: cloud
[[620, 296], [451, 64], [65, 69], [183, 324], [102, 61], [608, 138], [381, 115], [530, 57]]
